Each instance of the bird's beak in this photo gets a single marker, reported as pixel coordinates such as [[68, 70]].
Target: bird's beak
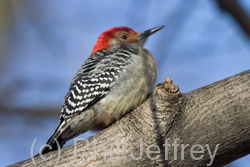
[[147, 33]]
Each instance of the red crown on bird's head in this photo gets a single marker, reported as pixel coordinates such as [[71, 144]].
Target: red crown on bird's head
[[103, 41]]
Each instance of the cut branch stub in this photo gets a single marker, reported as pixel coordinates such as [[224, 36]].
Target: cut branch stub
[[169, 87]]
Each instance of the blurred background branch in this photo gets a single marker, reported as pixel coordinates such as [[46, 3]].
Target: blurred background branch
[[234, 8]]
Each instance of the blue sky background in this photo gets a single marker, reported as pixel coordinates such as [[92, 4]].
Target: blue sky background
[[47, 41]]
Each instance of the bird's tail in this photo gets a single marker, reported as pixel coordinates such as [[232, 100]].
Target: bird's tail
[[67, 130], [55, 142]]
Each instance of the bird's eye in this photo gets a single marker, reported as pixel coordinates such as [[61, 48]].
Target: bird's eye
[[124, 37]]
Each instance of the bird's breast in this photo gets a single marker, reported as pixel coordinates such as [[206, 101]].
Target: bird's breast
[[131, 88]]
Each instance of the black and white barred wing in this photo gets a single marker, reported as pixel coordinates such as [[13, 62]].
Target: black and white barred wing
[[94, 80]]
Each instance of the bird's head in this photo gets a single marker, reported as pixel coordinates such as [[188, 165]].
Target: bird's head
[[117, 36]]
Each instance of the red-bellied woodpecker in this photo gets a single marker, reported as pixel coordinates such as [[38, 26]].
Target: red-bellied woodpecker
[[118, 76]]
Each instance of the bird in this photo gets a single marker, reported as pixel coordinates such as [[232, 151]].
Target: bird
[[117, 77]]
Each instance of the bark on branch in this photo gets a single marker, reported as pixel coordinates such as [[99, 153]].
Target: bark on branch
[[211, 121]]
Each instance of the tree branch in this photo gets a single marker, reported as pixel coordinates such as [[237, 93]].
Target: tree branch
[[210, 124]]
